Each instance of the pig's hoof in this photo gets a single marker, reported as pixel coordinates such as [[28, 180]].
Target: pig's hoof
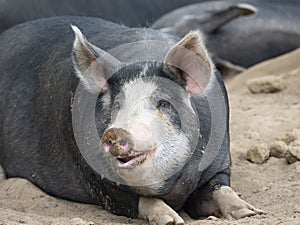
[[157, 212], [231, 206]]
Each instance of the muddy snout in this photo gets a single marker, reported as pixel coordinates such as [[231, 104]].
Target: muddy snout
[[117, 142]]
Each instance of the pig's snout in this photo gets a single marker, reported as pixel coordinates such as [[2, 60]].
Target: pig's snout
[[117, 142], [140, 131]]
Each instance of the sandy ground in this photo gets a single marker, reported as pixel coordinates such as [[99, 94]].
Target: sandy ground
[[255, 118]]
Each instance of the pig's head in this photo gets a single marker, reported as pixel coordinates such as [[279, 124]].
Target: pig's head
[[149, 117]]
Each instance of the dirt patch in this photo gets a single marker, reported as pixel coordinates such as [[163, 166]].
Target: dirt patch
[[255, 118]]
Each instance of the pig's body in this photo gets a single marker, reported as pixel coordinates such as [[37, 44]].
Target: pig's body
[[272, 31], [133, 12], [37, 88]]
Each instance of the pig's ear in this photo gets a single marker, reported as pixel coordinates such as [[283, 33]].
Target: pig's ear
[[92, 65], [190, 63]]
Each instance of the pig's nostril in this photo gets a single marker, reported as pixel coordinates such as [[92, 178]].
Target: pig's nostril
[[123, 142], [107, 144]]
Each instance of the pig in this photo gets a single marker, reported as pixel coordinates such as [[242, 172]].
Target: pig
[[132, 13], [131, 119], [270, 29]]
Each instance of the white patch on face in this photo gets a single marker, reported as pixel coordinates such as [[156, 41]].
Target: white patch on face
[[168, 148], [134, 114]]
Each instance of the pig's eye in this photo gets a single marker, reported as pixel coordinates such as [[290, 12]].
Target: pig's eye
[[162, 104]]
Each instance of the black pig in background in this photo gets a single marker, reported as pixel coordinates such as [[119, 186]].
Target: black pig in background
[[128, 12], [270, 29]]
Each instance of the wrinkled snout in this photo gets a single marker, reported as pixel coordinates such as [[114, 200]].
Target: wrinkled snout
[[117, 142]]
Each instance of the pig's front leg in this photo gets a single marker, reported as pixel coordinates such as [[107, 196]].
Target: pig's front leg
[[218, 199], [230, 204], [157, 212]]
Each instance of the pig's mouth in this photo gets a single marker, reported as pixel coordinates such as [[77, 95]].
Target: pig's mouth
[[132, 160]]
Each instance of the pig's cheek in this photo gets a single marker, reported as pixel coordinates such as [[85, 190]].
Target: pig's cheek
[[159, 128], [151, 159]]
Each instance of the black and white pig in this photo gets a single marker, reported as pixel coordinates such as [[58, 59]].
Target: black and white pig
[[142, 132]]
